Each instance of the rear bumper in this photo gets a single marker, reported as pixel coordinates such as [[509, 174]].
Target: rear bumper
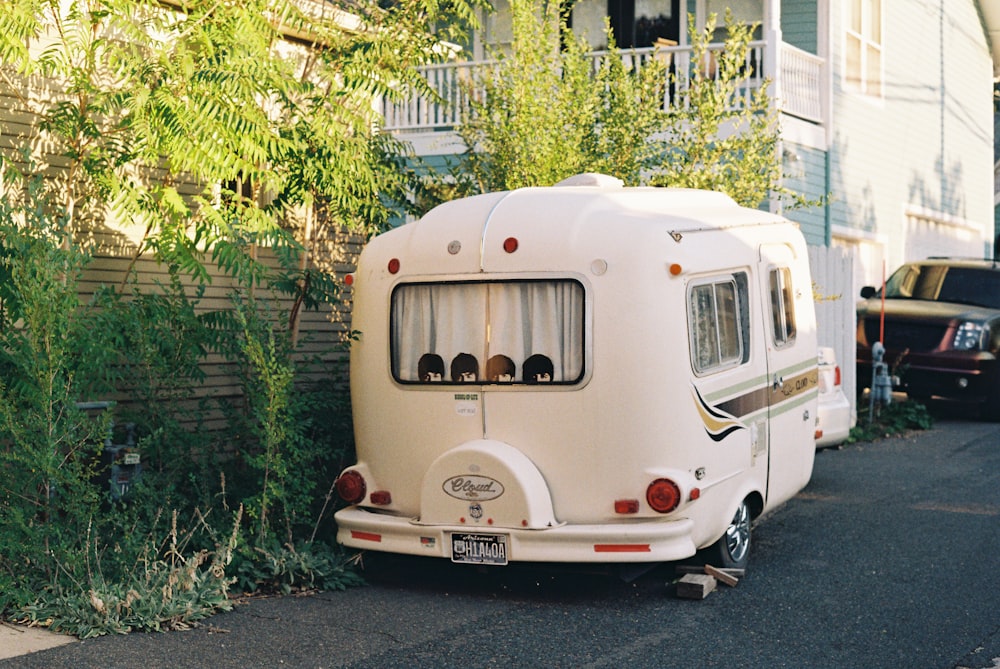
[[962, 376], [834, 420], [653, 541]]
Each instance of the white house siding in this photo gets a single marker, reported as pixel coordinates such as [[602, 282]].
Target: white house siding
[[924, 147]]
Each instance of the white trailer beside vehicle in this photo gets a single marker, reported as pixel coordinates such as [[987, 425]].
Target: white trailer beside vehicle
[[581, 373]]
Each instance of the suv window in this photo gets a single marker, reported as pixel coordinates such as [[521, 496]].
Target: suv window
[[941, 283]]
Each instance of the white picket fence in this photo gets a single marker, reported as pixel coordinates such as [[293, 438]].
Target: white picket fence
[[836, 320]]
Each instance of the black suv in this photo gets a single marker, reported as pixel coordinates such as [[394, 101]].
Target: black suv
[[942, 331]]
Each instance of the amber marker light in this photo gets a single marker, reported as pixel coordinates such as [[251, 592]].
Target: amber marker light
[[675, 269]]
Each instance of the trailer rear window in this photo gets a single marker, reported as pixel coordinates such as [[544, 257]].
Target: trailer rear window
[[502, 332]]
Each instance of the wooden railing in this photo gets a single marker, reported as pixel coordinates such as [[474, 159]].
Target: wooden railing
[[802, 84], [801, 76]]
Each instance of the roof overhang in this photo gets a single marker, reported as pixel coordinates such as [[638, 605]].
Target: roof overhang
[[991, 19]]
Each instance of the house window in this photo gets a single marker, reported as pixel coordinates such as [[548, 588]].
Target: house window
[[782, 306], [718, 323], [240, 187], [863, 47]]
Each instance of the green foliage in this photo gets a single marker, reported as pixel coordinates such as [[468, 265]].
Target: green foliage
[[887, 421], [48, 446], [145, 586], [720, 139], [304, 566], [270, 377], [75, 560], [542, 113], [70, 557], [199, 130], [157, 102]]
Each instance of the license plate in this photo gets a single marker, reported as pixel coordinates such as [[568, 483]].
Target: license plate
[[479, 548]]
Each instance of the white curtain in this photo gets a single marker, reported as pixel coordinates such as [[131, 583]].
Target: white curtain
[[516, 319]]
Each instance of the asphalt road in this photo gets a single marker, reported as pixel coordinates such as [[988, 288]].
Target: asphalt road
[[889, 558]]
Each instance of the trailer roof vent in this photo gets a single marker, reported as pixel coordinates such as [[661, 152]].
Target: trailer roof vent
[[592, 179]]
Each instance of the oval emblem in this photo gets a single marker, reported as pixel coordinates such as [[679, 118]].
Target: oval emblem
[[471, 486]]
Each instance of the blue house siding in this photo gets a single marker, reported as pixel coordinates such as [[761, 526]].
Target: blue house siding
[[805, 170], [926, 144], [799, 24]]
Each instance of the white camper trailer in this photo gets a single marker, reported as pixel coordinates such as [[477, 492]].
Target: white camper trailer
[[581, 373]]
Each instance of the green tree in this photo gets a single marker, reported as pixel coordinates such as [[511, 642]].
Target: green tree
[[216, 128], [543, 111], [146, 101], [720, 137]]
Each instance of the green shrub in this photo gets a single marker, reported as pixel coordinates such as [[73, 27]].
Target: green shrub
[[74, 558], [890, 420], [303, 566]]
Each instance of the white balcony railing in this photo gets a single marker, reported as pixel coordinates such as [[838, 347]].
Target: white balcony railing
[[802, 84], [800, 75]]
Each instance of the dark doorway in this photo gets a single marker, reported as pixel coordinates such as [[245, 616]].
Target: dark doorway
[[622, 16], [642, 31]]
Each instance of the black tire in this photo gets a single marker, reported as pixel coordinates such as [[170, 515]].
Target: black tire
[[732, 550]]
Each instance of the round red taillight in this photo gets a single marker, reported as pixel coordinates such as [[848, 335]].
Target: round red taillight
[[393, 265], [510, 244], [351, 487], [663, 495]]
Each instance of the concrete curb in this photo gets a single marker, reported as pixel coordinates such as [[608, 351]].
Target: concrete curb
[[16, 640]]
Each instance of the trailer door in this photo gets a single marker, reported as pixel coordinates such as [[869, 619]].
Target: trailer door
[[791, 370]]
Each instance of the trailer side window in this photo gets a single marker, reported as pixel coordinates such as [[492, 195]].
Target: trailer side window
[[503, 332], [782, 306], [718, 320]]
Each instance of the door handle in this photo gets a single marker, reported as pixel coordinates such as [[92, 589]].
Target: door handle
[[779, 382]]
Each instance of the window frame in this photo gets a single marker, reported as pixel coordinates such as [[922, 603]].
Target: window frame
[[866, 39], [740, 320], [580, 348], [784, 323]]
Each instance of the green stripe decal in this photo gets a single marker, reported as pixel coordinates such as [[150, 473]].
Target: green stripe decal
[[723, 418]]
